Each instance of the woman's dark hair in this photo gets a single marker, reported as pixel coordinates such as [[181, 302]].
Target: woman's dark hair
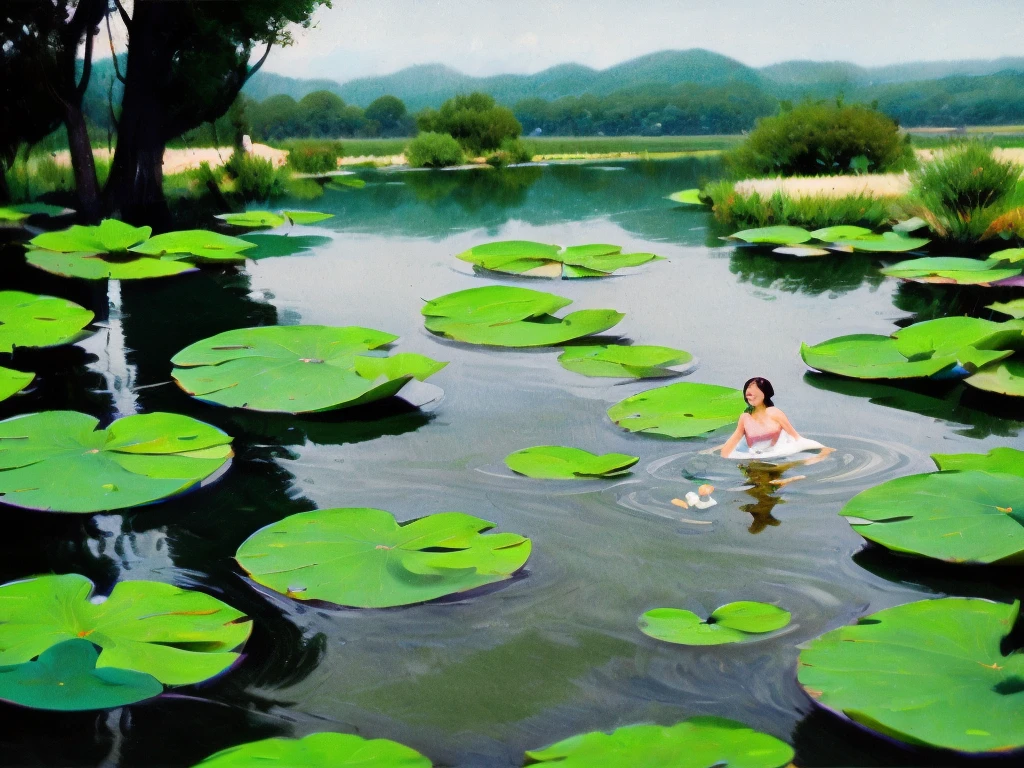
[[765, 386]]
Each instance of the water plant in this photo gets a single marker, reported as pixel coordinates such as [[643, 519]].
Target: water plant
[[29, 320], [363, 558], [269, 219], [19, 213], [929, 673], [999, 269], [178, 636], [734, 208], [59, 461], [1014, 309], [319, 750], [846, 238], [557, 462], [506, 316], [689, 197], [621, 361], [679, 410], [297, 368], [12, 382], [700, 742], [529, 259], [736, 622]]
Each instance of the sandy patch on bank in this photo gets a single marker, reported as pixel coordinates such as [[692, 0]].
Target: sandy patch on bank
[[179, 160], [373, 159], [873, 185]]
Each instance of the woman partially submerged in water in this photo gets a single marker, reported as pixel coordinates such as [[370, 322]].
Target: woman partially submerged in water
[[766, 431]]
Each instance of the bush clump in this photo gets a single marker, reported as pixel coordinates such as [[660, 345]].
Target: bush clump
[[314, 156], [434, 150], [255, 178], [966, 191], [741, 211], [818, 139], [474, 120], [511, 151]]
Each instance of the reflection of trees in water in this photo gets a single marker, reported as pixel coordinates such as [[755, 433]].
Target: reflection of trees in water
[[813, 275], [760, 475], [473, 190], [983, 414], [929, 301]]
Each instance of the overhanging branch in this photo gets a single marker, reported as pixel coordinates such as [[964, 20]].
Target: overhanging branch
[[258, 64]]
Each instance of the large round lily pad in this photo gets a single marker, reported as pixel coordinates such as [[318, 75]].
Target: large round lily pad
[[65, 678], [1014, 309], [1005, 378], [176, 635], [700, 742], [507, 316], [58, 461], [779, 235], [12, 382], [953, 270], [621, 361], [100, 266], [960, 516], [679, 410], [557, 462], [28, 320], [363, 558], [296, 368], [731, 623], [523, 257], [318, 750], [109, 236], [840, 232], [1007, 461], [195, 244], [887, 242], [927, 673]]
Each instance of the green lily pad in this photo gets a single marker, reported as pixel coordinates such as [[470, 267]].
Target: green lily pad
[[1014, 309], [1005, 378], [9, 213], [523, 257], [58, 461], [307, 217], [296, 368], [961, 516], [98, 266], [840, 232], [556, 462], [271, 246], [109, 236], [927, 673], [362, 558], [700, 742], [318, 750], [951, 269], [952, 335], [687, 197], [731, 623], [869, 356], [620, 361], [28, 320], [199, 243], [1009, 255], [887, 242], [780, 235], [22, 211], [1008, 461], [679, 410], [12, 382], [65, 678], [252, 219], [176, 635], [341, 182], [512, 317]]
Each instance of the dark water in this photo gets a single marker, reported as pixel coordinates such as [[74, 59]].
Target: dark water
[[475, 680]]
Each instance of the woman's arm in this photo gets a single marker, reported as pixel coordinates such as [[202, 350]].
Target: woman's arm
[[783, 422], [733, 441]]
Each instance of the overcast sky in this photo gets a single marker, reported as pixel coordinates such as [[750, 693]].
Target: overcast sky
[[369, 37]]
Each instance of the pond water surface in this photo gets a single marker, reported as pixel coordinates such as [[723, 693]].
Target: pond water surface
[[476, 679]]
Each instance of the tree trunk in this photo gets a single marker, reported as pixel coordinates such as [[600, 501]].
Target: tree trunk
[[5, 193], [82, 163]]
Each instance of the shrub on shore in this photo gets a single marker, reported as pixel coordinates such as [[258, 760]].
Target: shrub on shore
[[818, 139], [255, 178], [434, 150], [511, 151], [312, 156], [811, 212]]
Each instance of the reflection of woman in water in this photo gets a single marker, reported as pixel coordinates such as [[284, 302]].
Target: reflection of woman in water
[[766, 429]]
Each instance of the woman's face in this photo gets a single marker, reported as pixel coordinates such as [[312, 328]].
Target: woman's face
[[754, 395]]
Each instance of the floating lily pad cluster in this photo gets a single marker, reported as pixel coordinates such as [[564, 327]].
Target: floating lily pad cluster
[[970, 512], [983, 351], [507, 316], [523, 257], [363, 558], [845, 238], [62, 649], [622, 361], [927, 673], [737, 622], [557, 462], [1002, 268], [28, 320], [268, 219], [60, 461], [679, 410], [318, 750], [297, 368], [19, 213], [118, 251]]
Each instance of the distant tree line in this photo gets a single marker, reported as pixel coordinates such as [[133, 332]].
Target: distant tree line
[[324, 115]]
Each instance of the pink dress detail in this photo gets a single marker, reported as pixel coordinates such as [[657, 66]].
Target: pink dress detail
[[755, 433]]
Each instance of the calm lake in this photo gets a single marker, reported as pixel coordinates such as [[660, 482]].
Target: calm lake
[[475, 679]]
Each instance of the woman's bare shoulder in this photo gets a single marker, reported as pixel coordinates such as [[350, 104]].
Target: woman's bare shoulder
[[775, 411]]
